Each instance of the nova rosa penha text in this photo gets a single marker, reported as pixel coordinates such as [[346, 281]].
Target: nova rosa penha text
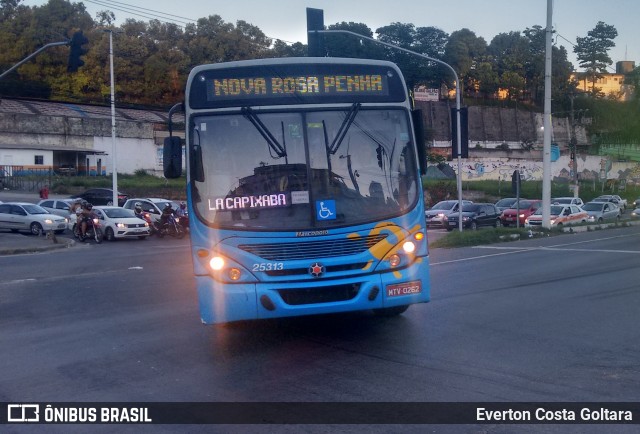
[[327, 84]]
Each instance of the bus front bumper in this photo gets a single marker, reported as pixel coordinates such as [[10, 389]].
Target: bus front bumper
[[221, 303]]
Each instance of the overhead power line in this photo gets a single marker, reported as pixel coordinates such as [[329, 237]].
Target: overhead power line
[[152, 14]]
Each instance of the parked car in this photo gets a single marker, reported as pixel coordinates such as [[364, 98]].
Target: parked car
[[437, 214], [475, 215], [635, 213], [66, 170], [23, 216], [506, 203], [152, 205], [567, 201], [519, 212], [613, 198], [636, 203], [601, 211], [57, 206], [559, 215], [101, 196], [121, 223]]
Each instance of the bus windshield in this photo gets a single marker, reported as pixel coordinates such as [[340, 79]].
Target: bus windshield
[[302, 170]]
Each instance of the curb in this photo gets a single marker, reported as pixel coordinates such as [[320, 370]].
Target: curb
[[36, 249]]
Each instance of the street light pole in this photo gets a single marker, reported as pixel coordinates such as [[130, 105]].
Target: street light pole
[[546, 149], [458, 132], [114, 169]]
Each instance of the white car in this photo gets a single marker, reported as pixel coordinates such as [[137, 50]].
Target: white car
[[569, 200], [121, 223], [152, 205], [57, 206], [23, 216], [560, 215]]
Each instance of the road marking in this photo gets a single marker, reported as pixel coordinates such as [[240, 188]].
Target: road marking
[[510, 250], [13, 282], [561, 249]]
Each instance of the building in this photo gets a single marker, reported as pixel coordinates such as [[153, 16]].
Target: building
[[40, 136], [611, 84]]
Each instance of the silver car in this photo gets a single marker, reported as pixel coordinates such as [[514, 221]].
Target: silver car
[[22, 216], [59, 207], [438, 215], [601, 211]]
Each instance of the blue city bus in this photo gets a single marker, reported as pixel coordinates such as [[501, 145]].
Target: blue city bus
[[304, 189]]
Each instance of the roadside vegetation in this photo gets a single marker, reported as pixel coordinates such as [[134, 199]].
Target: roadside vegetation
[[141, 184]]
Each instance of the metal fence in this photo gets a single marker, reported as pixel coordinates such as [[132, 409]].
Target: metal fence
[[24, 178]]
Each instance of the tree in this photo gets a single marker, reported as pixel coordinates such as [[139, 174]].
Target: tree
[[429, 41], [282, 49], [593, 52], [341, 45], [462, 52]]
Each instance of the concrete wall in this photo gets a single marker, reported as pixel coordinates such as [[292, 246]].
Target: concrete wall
[[25, 157], [589, 168], [131, 154]]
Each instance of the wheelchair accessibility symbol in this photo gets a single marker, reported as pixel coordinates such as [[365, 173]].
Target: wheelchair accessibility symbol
[[326, 210]]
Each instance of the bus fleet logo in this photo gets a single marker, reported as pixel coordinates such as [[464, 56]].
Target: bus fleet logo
[[316, 269]]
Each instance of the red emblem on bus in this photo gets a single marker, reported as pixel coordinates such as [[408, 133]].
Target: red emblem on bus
[[317, 269]]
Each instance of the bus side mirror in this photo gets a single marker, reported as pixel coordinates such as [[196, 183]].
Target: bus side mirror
[[418, 125], [197, 169], [172, 157]]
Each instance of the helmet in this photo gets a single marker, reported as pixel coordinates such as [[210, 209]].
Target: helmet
[[138, 207], [88, 206], [183, 205], [168, 205]]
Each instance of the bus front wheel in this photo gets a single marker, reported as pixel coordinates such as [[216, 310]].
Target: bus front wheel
[[391, 311]]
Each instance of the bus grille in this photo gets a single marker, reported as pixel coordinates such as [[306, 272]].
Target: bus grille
[[313, 249], [327, 294]]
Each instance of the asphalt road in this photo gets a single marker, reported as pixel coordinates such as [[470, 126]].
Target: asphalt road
[[552, 319]]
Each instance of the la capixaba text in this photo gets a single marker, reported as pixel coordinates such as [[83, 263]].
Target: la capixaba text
[[320, 413]]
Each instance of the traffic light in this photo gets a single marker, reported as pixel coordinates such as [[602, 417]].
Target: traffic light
[[464, 133], [315, 41], [516, 182], [76, 51]]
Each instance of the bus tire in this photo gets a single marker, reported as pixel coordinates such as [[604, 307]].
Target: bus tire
[[391, 311]]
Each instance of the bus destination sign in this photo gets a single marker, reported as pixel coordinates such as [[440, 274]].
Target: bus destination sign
[[300, 86]]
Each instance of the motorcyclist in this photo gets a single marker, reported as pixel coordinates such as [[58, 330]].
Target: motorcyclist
[[167, 212], [84, 217], [182, 211], [137, 209]]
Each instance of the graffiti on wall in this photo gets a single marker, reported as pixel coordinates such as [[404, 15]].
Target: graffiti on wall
[[591, 167]]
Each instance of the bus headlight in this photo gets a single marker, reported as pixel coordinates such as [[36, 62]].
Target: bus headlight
[[224, 269], [394, 260], [409, 247], [216, 263], [234, 273]]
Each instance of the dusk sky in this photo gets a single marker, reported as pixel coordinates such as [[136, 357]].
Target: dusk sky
[[286, 19]]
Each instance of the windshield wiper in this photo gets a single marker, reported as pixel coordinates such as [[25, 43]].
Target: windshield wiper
[[264, 131], [346, 123]]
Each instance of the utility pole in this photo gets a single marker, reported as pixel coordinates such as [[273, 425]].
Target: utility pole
[[546, 150], [114, 166], [573, 148]]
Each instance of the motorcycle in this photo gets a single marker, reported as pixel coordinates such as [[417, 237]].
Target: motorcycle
[[171, 227], [94, 230], [153, 228], [184, 222]]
